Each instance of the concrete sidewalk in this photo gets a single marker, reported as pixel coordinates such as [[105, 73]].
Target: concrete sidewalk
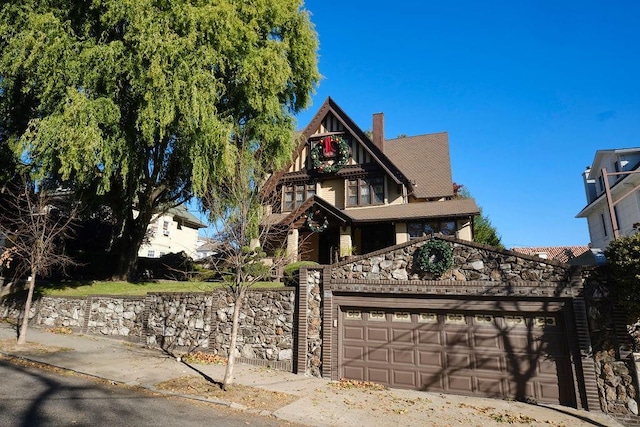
[[318, 402]]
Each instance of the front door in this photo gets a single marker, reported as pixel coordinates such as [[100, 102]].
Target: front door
[[329, 245]]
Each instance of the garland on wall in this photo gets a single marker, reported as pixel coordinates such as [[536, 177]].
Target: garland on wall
[[435, 257], [330, 149], [313, 222]]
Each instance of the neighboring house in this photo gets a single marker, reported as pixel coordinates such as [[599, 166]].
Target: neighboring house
[[617, 172], [172, 232], [344, 193], [556, 253], [206, 247]]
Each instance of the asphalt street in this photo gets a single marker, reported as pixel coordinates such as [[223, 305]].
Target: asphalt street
[[35, 397]]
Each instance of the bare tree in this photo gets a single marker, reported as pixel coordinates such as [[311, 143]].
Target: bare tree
[[249, 247], [35, 222]]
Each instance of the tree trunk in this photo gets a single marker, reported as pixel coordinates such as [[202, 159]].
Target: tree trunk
[[125, 253], [22, 337], [228, 373]]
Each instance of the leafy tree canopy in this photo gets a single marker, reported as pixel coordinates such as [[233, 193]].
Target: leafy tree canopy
[[623, 260], [483, 230], [143, 100]]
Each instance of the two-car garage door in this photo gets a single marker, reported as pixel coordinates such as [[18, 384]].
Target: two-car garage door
[[518, 355]]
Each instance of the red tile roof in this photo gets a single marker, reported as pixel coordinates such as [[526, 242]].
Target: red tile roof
[[558, 253]]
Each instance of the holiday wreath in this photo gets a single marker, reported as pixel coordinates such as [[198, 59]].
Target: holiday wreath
[[434, 257], [312, 222], [330, 148]]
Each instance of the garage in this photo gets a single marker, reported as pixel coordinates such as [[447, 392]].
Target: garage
[[495, 324], [519, 355]]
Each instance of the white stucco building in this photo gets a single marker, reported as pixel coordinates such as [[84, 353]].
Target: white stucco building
[[172, 232]]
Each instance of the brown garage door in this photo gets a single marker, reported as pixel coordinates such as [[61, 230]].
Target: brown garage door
[[521, 356]]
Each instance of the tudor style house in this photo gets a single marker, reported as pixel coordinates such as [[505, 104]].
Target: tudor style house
[[343, 193], [613, 199]]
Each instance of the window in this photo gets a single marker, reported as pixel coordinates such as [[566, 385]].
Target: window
[[604, 225], [295, 195], [151, 254], [424, 228], [165, 228], [362, 192]]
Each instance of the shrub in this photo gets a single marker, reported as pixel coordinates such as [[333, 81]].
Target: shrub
[[292, 271], [623, 260]]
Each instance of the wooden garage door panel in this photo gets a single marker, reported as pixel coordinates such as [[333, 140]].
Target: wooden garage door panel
[[379, 355], [377, 334], [490, 386], [520, 388], [457, 353], [456, 339], [354, 372], [378, 375], [401, 336], [489, 362], [354, 332], [460, 383], [433, 337], [351, 352], [430, 358], [458, 361], [431, 381], [486, 340], [547, 392], [404, 379], [403, 356]]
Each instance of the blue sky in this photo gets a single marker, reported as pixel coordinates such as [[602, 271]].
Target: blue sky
[[527, 90]]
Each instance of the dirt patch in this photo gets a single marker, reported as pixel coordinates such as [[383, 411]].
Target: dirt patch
[[11, 346], [251, 397]]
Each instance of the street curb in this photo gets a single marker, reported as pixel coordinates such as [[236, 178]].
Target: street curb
[[228, 404]]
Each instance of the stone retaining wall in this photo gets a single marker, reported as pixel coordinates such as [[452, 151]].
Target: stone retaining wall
[[470, 263], [177, 321]]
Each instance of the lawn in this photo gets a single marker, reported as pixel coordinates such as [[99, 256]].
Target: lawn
[[81, 289]]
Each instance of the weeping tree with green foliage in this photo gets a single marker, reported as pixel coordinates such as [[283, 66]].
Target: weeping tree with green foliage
[[139, 102]]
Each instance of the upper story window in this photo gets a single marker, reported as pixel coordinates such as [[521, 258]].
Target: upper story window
[[294, 195], [424, 228], [363, 192]]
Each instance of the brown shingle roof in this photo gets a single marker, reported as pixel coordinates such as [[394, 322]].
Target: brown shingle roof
[[447, 208], [558, 253], [456, 208], [424, 159]]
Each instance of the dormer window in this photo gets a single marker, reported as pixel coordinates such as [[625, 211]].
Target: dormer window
[[365, 192]]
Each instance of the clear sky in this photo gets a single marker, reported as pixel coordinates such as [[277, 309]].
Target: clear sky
[[527, 90]]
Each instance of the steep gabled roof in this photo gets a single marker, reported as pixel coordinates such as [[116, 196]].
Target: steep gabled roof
[[425, 160], [330, 106], [299, 214]]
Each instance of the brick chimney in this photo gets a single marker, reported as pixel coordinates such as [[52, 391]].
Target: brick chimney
[[378, 130]]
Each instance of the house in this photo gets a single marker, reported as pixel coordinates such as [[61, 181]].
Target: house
[[171, 232], [556, 253], [206, 247], [344, 193], [613, 199]]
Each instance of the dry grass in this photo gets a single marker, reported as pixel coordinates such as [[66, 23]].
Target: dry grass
[[11, 346], [251, 397]]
